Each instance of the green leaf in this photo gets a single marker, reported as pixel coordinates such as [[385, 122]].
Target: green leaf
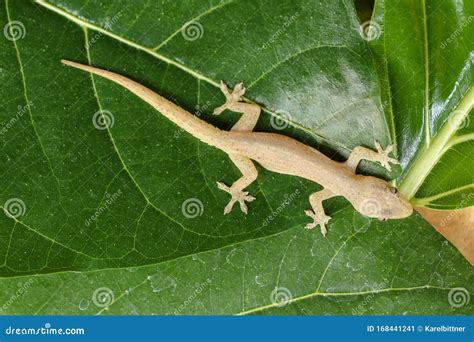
[[128, 220], [428, 59]]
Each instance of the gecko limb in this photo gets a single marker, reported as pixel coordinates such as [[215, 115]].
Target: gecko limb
[[251, 111], [246, 123], [317, 213], [381, 156], [249, 175]]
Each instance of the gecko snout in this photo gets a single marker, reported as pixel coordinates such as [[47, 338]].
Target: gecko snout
[[395, 206], [383, 201]]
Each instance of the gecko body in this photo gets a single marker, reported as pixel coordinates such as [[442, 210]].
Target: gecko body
[[369, 195]]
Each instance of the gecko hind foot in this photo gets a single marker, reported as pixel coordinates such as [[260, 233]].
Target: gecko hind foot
[[383, 158], [237, 196], [231, 97], [321, 221]]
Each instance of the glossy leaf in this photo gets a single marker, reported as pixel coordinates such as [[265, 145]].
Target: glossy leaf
[[426, 49]]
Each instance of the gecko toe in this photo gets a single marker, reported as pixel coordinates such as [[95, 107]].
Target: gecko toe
[[224, 88], [387, 166], [321, 221], [228, 207], [243, 207], [249, 198], [237, 196], [393, 161], [389, 148], [218, 110], [309, 213], [223, 187]]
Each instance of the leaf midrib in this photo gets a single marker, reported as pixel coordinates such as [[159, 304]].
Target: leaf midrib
[[237, 243], [148, 201], [342, 294], [426, 64], [432, 154], [83, 23], [171, 36], [30, 113]]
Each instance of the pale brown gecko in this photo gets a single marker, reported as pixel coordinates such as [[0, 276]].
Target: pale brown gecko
[[371, 196]]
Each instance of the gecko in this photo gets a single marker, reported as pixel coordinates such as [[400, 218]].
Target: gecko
[[370, 196]]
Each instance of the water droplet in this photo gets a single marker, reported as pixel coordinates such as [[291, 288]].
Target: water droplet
[[357, 258], [386, 303], [436, 280], [160, 282], [235, 257], [197, 258], [230, 255], [315, 248]]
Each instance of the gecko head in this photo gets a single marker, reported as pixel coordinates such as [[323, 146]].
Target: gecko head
[[382, 201]]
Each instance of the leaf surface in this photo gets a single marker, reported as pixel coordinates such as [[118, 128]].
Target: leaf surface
[[425, 52]]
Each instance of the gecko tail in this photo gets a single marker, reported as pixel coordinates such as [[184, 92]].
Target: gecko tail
[[190, 123], [81, 66]]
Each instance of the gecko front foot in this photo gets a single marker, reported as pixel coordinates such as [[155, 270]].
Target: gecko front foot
[[231, 98], [383, 158], [317, 220], [237, 196]]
